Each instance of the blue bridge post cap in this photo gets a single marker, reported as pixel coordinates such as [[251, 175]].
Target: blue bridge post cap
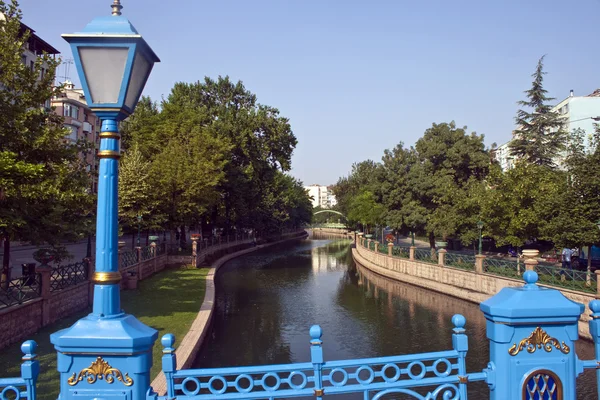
[[315, 332], [530, 277], [459, 321], [168, 340], [595, 306], [28, 349]]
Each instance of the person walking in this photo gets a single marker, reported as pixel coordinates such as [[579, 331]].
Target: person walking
[[566, 257]]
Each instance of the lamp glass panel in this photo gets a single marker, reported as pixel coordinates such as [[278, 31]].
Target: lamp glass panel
[[141, 70], [104, 69]]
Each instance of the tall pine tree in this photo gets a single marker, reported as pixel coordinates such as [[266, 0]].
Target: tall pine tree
[[540, 137]]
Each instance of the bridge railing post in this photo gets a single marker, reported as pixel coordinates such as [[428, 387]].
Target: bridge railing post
[[460, 342], [442, 257], [316, 357], [30, 369], [532, 333], [169, 363]]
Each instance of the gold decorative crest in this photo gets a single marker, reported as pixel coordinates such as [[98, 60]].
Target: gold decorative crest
[[100, 369], [537, 340]]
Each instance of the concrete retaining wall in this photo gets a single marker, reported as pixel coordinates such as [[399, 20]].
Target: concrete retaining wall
[[466, 285]]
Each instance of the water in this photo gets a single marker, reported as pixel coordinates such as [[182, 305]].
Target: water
[[267, 301]]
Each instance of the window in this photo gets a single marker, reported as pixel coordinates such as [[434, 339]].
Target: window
[[70, 110], [31, 65], [24, 60], [73, 132]]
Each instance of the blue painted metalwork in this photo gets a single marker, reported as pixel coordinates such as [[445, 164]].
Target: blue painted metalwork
[[436, 375], [113, 32], [532, 332], [107, 354], [23, 387]]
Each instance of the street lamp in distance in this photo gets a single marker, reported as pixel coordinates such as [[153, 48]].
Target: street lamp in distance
[[480, 226], [139, 220]]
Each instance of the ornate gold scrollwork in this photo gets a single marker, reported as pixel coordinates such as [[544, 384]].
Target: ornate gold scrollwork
[[537, 340], [101, 370]]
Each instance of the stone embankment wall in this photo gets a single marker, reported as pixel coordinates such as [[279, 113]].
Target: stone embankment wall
[[328, 232], [467, 285], [190, 345], [18, 322]]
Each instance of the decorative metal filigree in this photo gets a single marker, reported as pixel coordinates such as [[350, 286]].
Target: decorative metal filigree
[[101, 370], [542, 384], [537, 340]]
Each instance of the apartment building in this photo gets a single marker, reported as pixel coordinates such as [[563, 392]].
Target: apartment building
[[578, 112], [79, 120], [81, 123], [321, 196]]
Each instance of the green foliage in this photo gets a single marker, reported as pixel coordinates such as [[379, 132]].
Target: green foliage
[[540, 136], [136, 195], [43, 183], [365, 176], [574, 219], [216, 158], [522, 200], [366, 210]]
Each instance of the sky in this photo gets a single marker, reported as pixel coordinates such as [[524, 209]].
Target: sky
[[358, 77]]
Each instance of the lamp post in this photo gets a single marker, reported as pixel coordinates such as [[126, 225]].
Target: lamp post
[[480, 226], [113, 62], [412, 237], [139, 220]]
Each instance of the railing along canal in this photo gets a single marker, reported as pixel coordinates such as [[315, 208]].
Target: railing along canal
[[444, 372], [548, 274]]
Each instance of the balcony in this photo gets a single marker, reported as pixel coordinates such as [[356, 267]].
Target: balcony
[[87, 127]]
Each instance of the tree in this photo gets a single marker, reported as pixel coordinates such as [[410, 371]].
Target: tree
[[365, 176], [138, 205], [450, 163], [540, 137], [522, 200], [366, 210], [574, 219], [259, 140], [186, 175], [44, 193]]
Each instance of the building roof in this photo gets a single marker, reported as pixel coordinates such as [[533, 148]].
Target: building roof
[[36, 43], [595, 93]]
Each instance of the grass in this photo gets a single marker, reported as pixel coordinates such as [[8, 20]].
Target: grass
[[168, 301]]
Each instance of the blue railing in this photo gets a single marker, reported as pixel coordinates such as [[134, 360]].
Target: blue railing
[[442, 374], [23, 387]]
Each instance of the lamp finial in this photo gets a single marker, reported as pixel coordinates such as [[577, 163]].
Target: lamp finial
[[116, 7]]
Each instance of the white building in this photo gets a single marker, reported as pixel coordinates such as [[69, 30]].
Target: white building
[[578, 112], [321, 196]]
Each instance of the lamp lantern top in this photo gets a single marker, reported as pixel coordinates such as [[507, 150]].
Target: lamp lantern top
[[113, 62], [116, 7], [480, 224]]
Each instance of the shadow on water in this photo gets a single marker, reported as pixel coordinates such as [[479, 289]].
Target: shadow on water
[[267, 301]]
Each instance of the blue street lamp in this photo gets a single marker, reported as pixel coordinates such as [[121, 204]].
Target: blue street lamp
[[113, 62]]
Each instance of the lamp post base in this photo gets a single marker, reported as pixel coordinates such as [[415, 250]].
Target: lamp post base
[[105, 357]]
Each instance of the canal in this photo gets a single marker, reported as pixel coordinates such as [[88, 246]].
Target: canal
[[266, 302]]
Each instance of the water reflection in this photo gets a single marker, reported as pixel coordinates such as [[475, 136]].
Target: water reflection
[[267, 301]]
